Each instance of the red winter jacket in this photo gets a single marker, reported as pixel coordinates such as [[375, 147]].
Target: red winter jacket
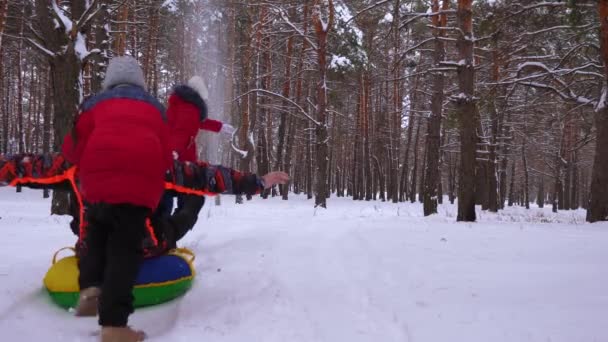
[[121, 148], [187, 113]]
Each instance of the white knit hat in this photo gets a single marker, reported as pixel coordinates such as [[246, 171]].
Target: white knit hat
[[198, 84], [123, 70]]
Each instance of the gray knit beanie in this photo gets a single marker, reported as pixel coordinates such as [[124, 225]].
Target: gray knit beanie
[[123, 70]]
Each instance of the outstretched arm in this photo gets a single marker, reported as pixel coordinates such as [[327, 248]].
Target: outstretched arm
[[206, 179], [36, 171]]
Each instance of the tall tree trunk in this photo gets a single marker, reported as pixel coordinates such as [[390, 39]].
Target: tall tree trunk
[[397, 104], [598, 197], [366, 140], [414, 184], [120, 41], [3, 16], [404, 181], [574, 200], [557, 188], [467, 113], [66, 75], [246, 105], [322, 29], [512, 185], [4, 102], [526, 192], [309, 165], [20, 130], [433, 142], [540, 198], [149, 62], [491, 166], [283, 119]]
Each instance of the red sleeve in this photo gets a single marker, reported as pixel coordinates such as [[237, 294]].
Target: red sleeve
[[67, 149], [211, 125], [72, 150]]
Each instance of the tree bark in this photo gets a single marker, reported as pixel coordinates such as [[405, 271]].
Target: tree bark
[[433, 142], [598, 197], [540, 198], [322, 29], [526, 190], [467, 114], [414, 184]]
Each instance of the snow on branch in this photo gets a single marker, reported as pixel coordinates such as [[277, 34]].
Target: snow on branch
[[267, 92], [560, 27], [302, 110], [322, 26], [285, 18], [565, 96], [90, 13], [551, 4], [601, 105], [80, 47], [40, 48], [66, 23], [369, 8], [417, 16]]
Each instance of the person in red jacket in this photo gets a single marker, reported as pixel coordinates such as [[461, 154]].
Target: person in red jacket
[[120, 144], [187, 114]]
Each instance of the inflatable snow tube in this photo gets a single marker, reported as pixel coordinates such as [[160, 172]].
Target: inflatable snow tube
[[160, 279]]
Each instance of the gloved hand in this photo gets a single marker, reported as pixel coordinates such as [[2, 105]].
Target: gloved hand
[[227, 129], [276, 177]]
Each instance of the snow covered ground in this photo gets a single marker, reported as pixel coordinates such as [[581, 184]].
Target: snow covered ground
[[360, 271]]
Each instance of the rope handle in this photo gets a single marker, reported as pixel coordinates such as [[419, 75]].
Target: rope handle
[[63, 249], [185, 251]]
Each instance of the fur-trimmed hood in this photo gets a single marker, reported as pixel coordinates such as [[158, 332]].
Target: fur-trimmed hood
[[190, 95], [123, 70]]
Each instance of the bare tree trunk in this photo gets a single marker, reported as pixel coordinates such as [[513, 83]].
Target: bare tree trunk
[[540, 198], [557, 189], [414, 185], [3, 15], [512, 185], [491, 166], [283, 120], [598, 197], [120, 41], [246, 118], [20, 130], [403, 193], [309, 165], [467, 114], [526, 192], [66, 75], [322, 29], [433, 142], [574, 200], [4, 102], [366, 143]]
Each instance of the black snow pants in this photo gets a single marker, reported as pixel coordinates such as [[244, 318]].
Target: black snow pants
[[111, 257]]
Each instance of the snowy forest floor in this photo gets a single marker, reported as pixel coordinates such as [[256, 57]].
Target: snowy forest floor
[[359, 271]]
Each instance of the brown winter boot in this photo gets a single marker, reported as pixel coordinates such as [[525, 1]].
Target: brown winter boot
[[121, 334], [87, 302]]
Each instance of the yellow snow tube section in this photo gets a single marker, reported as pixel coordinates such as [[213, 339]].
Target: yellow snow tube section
[[160, 279]]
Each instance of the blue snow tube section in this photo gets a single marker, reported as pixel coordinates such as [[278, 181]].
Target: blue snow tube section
[[160, 279]]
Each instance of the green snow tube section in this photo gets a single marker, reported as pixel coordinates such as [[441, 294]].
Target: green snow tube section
[[160, 279]]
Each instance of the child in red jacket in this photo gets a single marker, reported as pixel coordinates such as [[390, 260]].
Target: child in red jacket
[[120, 144], [187, 114]]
